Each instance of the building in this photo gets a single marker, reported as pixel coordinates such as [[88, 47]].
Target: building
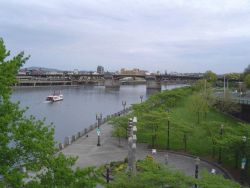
[[100, 70], [133, 71], [75, 71]]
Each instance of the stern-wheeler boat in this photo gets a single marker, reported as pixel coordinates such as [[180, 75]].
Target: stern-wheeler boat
[[55, 97]]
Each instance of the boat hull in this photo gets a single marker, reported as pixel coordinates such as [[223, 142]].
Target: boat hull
[[54, 98]]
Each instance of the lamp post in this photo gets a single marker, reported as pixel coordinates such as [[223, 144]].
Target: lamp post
[[197, 163], [221, 133], [243, 160], [107, 173], [141, 97], [124, 105], [98, 118], [168, 129]]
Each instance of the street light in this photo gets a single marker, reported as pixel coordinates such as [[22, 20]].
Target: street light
[[124, 105], [243, 160], [98, 117], [141, 97], [221, 133], [107, 173], [98, 131], [168, 110], [197, 163]]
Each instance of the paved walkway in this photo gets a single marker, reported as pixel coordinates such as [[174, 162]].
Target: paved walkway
[[91, 155]]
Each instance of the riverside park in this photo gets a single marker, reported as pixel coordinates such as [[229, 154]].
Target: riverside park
[[190, 136], [124, 94]]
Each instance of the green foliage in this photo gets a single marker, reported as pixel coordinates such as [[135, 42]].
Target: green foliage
[[27, 143], [198, 105], [152, 123], [201, 85], [161, 101], [226, 104], [210, 76], [233, 76], [213, 181], [201, 139], [151, 174], [9, 69], [61, 174], [120, 125], [247, 70], [247, 80]]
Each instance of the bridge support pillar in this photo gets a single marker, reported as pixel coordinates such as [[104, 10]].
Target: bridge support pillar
[[153, 83], [111, 82]]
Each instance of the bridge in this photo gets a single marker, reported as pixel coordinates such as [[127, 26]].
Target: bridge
[[108, 80]]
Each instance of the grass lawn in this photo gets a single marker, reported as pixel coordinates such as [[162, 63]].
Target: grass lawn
[[202, 139]]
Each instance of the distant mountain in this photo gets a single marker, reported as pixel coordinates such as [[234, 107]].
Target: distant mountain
[[42, 69]]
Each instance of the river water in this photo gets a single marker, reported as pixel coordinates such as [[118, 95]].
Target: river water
[[80, 105]]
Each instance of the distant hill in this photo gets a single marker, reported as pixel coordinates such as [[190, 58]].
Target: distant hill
[[42, 69]]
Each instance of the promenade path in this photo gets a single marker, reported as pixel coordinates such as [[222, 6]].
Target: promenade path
[[92, 155]]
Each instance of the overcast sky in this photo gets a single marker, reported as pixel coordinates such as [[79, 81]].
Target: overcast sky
[[177, 35]]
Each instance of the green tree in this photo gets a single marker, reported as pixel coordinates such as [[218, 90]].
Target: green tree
[[233, 76], [152, 123], [27, 144], [152, 175], [209, 180], [61, 174], [226, 104], [210, 76], [247, 80], [246, 71], [198, 105], [120, 125]]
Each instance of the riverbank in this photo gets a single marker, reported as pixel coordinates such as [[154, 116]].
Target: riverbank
[[193, 127]]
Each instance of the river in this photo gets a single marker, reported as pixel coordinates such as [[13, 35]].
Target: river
[[80, 105]]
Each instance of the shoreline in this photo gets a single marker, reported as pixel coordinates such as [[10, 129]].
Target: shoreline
[[122, 84]]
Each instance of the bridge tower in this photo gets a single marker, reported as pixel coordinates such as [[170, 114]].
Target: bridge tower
[[153, 82], [111, 81]]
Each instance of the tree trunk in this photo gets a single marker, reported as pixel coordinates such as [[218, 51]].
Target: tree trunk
[[213, 152], [153, 142], [236, 159], [198, 115]]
